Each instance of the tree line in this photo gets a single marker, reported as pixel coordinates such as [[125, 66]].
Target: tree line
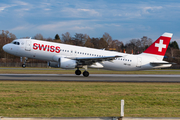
[[133, 46], [104, 42]]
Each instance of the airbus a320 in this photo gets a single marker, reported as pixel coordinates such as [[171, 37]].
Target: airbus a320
[[70, 56]]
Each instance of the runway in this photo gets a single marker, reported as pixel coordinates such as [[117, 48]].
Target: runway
[[92, 78]]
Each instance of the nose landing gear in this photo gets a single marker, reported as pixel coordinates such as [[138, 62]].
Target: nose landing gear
[[24, 64]]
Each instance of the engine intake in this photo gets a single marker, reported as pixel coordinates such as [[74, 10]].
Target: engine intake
[[53, 64]]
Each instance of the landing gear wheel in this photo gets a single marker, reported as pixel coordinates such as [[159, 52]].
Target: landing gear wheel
[[85, 73], [23, 65], [77, 72]]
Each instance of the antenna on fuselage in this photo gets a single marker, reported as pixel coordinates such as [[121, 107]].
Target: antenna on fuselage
[[103, 49]]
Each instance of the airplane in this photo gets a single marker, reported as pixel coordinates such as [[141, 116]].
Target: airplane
[[74, 57]]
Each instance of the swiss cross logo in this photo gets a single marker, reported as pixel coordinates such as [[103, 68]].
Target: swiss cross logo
[[160, 45]]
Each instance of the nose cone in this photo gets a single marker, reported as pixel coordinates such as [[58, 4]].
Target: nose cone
[[5, 48]]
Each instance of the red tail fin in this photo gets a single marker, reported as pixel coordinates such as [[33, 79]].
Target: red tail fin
[[160, 46]]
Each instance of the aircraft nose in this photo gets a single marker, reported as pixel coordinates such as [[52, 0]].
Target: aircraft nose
[[5, 48]]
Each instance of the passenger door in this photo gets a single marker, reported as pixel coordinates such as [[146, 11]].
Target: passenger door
[[28, 45], [139, 62]]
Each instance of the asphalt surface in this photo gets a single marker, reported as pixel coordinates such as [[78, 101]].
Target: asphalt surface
[[29, 68], [92, 78]]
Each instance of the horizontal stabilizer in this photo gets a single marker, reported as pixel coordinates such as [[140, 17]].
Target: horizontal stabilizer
[[160, 63]]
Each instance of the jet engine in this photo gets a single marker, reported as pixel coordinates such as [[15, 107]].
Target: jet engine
[[64, 63], [53, 64]]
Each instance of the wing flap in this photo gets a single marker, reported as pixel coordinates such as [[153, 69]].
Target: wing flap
[[91, 60]]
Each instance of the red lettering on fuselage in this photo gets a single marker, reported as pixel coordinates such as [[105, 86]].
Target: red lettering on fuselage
[[35, 46], [57, 49], [48, 48], [52, 49], [42, 47]]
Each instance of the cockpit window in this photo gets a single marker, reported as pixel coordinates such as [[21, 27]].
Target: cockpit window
[[16, 43]]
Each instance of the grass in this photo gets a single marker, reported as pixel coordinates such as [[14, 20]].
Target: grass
[[92, 71], [76, 99]]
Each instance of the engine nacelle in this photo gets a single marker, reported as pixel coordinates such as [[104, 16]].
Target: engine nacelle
[[53, 64], [66, 63]]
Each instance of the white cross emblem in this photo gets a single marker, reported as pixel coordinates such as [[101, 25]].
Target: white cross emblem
[[160, 45]]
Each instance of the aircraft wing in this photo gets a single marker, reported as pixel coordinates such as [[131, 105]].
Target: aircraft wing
[[91, 60]]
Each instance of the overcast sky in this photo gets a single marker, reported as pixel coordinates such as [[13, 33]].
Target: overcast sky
[[122, 19]]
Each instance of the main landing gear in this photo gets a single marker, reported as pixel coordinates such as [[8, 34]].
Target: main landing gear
[[85, 73], [78, 72]]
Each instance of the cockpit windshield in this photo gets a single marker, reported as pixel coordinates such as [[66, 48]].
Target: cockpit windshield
[[15, 42]]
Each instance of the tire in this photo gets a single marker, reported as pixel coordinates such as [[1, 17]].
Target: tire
[[78, 72], [85, 73], [23, 65]]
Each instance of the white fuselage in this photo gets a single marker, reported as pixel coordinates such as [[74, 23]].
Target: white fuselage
[[43, 50]]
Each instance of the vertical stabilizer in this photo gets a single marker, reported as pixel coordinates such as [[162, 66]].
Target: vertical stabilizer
[[160, 46]]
